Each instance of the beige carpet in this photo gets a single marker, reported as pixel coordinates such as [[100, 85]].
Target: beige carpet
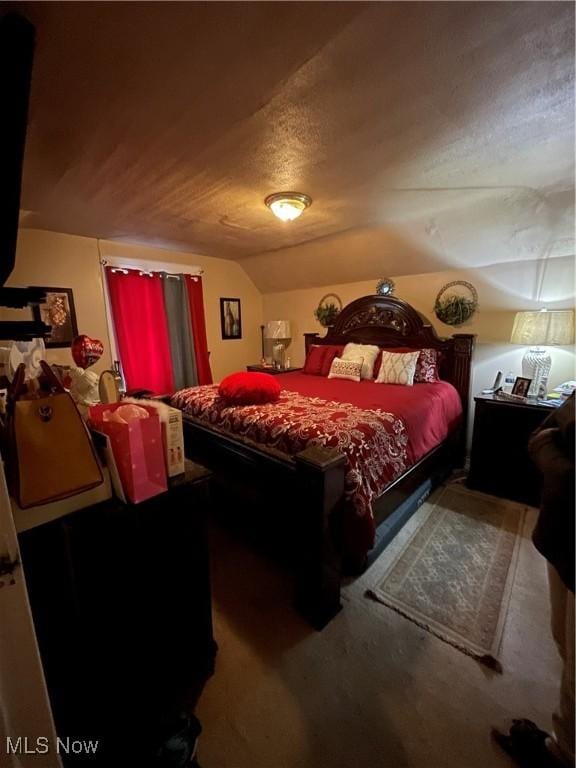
[[454, 574], [371, 690]]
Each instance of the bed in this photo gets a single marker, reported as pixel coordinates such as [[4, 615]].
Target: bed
[[333, 459]]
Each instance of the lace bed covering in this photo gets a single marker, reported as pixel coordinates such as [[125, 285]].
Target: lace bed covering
[[373, 442]]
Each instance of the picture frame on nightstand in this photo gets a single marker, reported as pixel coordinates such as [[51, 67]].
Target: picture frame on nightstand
[[521, 386]]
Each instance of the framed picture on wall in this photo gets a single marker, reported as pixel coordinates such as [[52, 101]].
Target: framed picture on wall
[[230, 318], [58, 311]]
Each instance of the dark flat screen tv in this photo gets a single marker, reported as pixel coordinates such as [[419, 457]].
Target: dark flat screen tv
[[17, 37]]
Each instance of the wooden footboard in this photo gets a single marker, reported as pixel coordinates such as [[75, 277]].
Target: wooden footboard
[[320, 473]]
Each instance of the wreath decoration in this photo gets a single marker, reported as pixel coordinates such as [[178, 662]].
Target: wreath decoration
[[327, 310], [456, 308]]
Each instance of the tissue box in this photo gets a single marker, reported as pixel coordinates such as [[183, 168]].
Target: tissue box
[[173, 438]]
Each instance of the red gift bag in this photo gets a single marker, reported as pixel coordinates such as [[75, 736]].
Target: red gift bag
[[138, 451]]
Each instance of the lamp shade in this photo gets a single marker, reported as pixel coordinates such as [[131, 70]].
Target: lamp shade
[[277, 329], [544, 328]]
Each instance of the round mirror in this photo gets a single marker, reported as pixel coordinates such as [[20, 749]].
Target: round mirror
[[385, 287]]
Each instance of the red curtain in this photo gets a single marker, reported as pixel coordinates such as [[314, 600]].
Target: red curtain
[[141, 331], [196, 301]]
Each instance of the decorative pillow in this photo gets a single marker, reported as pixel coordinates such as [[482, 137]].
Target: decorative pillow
[[426, 365], [249, 388], [332, 351], [345, 369], [315, 360], [397, 368], [319, 358], [366, 352]]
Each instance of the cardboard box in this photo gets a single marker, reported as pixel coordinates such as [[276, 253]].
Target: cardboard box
[[173, 438]]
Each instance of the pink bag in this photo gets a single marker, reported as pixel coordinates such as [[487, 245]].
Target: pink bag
[[138, 451]]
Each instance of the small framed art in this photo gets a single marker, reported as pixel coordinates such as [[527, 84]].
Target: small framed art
[[230, 318], [58, 311], [521, 386]]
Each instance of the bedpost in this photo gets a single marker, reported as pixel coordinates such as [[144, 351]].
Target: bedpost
[[321, 494], [310, 338], [462, 365]]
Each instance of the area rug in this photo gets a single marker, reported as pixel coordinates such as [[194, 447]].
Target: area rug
[[454, 573]]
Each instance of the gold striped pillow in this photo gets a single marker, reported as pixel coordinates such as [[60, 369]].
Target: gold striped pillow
[[397, 368]]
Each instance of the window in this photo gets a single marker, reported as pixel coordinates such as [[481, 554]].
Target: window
[[158, 324]]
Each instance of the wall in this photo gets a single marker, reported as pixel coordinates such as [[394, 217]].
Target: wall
[[502, 290], [60, 260], [49, 258]]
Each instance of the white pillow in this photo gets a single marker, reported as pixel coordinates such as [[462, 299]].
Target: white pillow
[[366, 352], [345, 369], [398, 368]]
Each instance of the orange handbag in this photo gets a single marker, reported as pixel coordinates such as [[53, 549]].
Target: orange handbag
[[50, 453]]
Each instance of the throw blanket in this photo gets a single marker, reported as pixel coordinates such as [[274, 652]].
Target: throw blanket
[[373, 442]]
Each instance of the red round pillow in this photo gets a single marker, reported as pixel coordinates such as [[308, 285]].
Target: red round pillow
[[249, 388]]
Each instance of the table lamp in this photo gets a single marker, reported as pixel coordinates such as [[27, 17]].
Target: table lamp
[[538, 329], [278, 331]]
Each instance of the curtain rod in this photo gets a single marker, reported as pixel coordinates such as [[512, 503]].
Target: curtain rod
[[156, 266], [127, 267]]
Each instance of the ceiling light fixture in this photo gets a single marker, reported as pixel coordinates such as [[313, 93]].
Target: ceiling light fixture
[[287, 206]]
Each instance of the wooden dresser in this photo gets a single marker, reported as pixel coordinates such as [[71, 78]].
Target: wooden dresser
[[120, 596]]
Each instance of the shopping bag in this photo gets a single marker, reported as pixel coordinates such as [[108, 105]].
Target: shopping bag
[[50, 455], [172, 433], [138, 451]]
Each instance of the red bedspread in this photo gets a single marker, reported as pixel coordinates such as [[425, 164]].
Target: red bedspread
[[429, 411], [381, 429], [373, 442]]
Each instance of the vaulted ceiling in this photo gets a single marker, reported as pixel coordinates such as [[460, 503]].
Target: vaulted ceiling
[[426, 133]]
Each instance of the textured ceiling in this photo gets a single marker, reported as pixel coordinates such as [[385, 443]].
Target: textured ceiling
[[169, 124]]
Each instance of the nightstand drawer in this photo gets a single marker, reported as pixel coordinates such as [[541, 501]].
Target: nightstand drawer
[[499, 462]]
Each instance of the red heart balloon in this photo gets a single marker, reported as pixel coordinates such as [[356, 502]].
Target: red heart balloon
[[86, 351]]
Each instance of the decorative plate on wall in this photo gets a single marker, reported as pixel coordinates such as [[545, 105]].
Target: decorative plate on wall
[[385, 287]]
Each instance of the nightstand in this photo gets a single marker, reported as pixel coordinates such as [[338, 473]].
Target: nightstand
[[272, 371], [499, 462]]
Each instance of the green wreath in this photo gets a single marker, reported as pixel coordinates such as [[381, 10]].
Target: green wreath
[[456, 309], [327, 311]]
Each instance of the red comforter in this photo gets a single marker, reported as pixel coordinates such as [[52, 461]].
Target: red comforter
[[373, 441], [381, 429], [429, 411]]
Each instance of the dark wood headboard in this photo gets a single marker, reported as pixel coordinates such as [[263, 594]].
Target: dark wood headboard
[[391, 322]]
